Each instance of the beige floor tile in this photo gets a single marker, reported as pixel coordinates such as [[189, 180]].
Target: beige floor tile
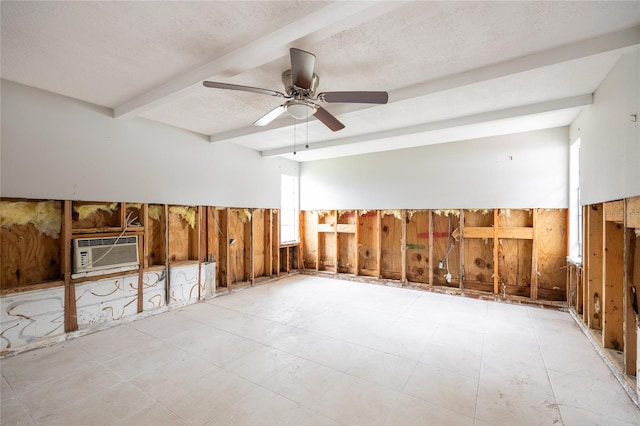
[[215, 346], [411, 411], [452, 358], [13, 413], [303, 381], [204, 397], [259, 365], [34, 368], [457, 337], [163, 326], [573, 416], [384, 369], [5, 391], [444, 388], [597, 393], [261, 407], [107, 344], [154, 415], [56, 395], [108, 406], [353, 401], [145, 359]]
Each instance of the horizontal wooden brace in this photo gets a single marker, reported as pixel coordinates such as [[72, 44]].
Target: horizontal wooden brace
[[326, 227], [349, 228], [518, 233]]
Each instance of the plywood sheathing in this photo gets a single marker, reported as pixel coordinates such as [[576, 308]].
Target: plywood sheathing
[[309, 233], [478, 252], [612, 296], [595, 226], [258, 232], [446, 249], [551, 247], [346, 241], [368, 243], [327, 241], [391, 244], [30, 237], [418, 246]]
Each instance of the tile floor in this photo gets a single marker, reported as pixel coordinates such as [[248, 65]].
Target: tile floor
[[317, 351]]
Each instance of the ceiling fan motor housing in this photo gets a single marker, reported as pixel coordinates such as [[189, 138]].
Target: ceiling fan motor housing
[[297, 92]]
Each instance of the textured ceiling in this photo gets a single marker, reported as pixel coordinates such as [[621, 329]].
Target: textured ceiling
[[454, 70]]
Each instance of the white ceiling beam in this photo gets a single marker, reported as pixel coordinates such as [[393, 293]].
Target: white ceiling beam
[[619, 41], [503, 114], [330, 20]]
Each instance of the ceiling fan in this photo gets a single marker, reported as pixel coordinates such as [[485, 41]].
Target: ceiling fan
[[300, 84]]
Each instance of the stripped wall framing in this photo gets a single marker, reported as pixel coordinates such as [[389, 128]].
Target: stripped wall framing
[[177, 245], [603, 287], [510, 253]]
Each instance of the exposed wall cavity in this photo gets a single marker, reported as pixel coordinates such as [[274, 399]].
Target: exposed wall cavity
[[46, 216], [186, 213], [87, 210]]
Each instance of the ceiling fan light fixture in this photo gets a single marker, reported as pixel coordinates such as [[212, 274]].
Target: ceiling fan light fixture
[[300, 110]]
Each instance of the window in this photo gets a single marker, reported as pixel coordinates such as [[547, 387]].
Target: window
[[575, 209], [289, 209]]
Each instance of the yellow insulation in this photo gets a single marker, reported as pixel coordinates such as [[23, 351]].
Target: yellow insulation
[[396, 213], [244, 215], [186, 213], [323, 213], [155, 212], [455, 213], [134, 205], [46, 216], [87, 210]]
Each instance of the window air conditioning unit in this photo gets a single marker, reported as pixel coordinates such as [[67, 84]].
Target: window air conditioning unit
[[92, 254]]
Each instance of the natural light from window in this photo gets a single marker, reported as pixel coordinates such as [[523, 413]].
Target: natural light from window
[[289, 210], [575, 210]]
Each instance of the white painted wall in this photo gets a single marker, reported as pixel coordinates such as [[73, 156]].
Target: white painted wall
[[524, 170], [55, 147], [609, 140]]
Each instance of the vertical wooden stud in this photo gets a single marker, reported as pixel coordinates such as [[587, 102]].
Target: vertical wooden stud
[[141, 246], [461, 227], [357, 244], [379, 237], [430, 230], [199, 249], [167, 281], [147, 235], [496, 281], [534, 259], [585, 264], [70, 310], [403, 248], [612, 300]]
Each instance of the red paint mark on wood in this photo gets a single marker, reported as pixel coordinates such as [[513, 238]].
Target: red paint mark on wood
[[435, 235]]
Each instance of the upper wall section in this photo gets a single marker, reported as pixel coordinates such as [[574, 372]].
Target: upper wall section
[[54, 147], [524, 170], [609, 138]]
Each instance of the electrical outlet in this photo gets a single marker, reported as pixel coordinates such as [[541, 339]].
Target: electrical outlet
[[448, 277], [441, 264]]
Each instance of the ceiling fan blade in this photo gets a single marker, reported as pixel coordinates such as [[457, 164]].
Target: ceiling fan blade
[[216, 85], [329, 120], [355, 97], [270, 116], [302, 66]]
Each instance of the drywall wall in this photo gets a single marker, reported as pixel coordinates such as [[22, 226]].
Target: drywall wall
[[609, 138], [54, 147], [524, 170]]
